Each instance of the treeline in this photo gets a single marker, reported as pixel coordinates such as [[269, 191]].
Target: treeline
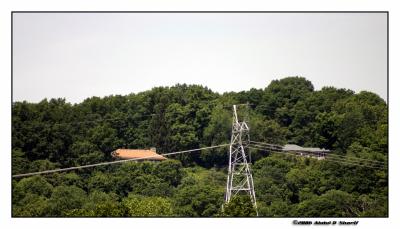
[[55, 134]]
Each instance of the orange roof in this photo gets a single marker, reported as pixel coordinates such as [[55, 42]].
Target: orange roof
[[137, 153]]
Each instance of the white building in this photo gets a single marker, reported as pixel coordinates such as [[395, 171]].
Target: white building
[[317, 153]]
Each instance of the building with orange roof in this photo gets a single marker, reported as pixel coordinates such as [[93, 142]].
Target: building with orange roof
[[140, 154]]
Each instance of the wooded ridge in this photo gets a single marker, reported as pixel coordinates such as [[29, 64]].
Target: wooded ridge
[[56, 134]]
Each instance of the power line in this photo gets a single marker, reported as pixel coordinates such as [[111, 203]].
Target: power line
[[326, 157], [113, 162], [267, 144], [355, 163], [356, 158], [332, 156], [270, 148], [343, 161], [361, 163]]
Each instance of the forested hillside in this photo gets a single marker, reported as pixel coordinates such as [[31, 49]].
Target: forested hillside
[[56, 134]]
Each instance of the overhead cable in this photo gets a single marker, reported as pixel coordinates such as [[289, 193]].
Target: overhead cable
[[113, 162]]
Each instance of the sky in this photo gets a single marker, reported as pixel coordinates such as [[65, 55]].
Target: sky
[[80, 55]]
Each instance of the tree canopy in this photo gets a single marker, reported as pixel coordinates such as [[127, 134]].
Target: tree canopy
[[56, 134]]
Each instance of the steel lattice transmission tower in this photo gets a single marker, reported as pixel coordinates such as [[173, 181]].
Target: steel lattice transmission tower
[[240, 179]]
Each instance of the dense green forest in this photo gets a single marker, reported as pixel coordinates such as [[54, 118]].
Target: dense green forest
[[56, 134]]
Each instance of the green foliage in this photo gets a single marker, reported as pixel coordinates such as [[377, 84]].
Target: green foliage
[[277, 208], [239, 206], [182, 132], [32, 205], [105, 138], [265, 130], [72, 179], [125, 175], [200, 194], [99, 204], [146, 178], [334, 203], [169, 171], [372, 205], [198, 200], [101, 182], [54, 134], [42, 165], [200, 175], [147, 206], [65, 198], [19, 162], [217, 132], [83, 153], [32, 185], [150, 185], [281, 95]]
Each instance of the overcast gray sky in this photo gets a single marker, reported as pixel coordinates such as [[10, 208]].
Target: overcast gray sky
[[75, 56]]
